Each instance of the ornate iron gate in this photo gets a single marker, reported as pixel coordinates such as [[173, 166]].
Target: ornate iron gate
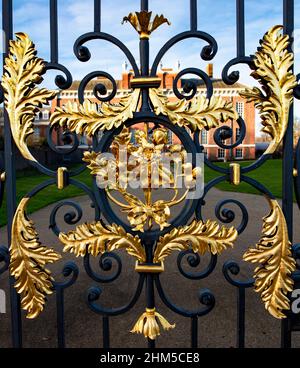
[[149, 232]]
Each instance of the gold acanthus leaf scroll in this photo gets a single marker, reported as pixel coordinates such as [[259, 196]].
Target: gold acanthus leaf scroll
[[272, 68], [90, 117], [95, 238], [27, 263], [276, 264], [201, 237], [23, 71], [197, 113]]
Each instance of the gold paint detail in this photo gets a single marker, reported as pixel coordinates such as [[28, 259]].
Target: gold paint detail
[[148, 325], [295, 173], [149, 268], [201, 237], [141, 22], [95, 239], [273, 254], [23, 72], [235, 173], [28, 258], [197, 113], [3, 177], [153, 82], [90, 117], [273, 69], [61, 177]]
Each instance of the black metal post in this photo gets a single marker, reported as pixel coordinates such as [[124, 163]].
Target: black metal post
[[193, 15], [97, 15], [240, 29], [287, 161], [241, 305], [60, 308], [144, 60], [105, 321], [194, 332], [10, 170], [53, 31], [150, 299]]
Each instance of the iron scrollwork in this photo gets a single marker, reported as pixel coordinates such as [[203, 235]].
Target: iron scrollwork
[[272, 64]]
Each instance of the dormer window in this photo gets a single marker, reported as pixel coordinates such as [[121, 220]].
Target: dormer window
[[45, 115]]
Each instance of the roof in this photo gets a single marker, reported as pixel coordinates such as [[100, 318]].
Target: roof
[[217, 83], [93, 83]]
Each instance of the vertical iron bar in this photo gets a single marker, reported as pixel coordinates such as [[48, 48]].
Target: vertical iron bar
[[53, 31], [144, 59], [240, 28], [150, 299], [144, 5], [287, 161], [10, 170], [241, 317], [60, 317], [97, 15], [193, 15], [105, 321], [194, 331]]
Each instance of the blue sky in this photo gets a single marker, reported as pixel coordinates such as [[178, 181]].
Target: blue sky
[[216, 17]]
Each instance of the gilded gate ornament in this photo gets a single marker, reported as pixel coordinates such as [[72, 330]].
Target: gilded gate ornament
[[141, 214], [28, 258], [141, 22], [276, 263], [272, 68], [200, 236], [23, 71], [95, 239], [88, 118], [197, 114]]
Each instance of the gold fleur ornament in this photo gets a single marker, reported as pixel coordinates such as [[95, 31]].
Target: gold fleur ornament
[[148, 325], [141, 22]]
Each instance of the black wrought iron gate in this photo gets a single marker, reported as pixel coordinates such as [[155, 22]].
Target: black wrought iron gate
[[147, 229]]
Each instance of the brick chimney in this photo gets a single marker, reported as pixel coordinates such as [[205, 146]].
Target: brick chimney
[[210, 70]]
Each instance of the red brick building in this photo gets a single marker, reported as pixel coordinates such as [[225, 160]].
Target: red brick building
[[167, 76]]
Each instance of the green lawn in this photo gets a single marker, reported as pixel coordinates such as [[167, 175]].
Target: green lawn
[[269, 175]]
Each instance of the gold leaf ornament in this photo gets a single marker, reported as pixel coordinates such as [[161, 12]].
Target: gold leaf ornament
[[201, 237], [276, 264], [148, 325], [23, 71], [90, 117], [272, 68], [197, 113], [28, 258], [141, 22], [95, 238]]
